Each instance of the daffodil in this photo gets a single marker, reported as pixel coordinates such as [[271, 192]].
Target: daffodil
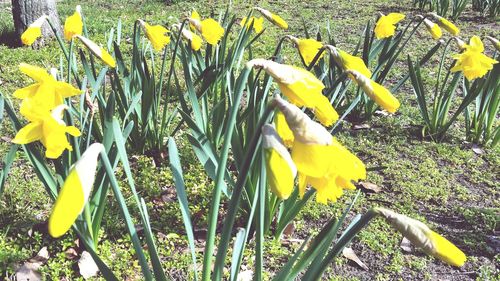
[[209, 28], [258, 23], [321, 160], [446, 24], [386, 25], [423, 237], [301, 87], [433, 29], [156, 34], [472, 62], [99, 52], [308, 48], [282, 128], [45, 93], [195, 41], [281, 170], [376, 92], [196, 16], [34, 31], [273, 18], [75, 192], [348, 62], [49, 128], [73, 24], [495, 42]]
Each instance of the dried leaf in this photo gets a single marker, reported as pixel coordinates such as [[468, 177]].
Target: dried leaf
[[478, 150], [87, 266], [370, 186], [289, 229], [361, 126], [349, 254], [406, 245], [71, 253]]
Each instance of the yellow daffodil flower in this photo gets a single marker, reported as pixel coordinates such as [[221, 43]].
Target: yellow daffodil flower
[[99, 52], [301, 87], [196, 16], [446, 24], [73, 24], [321, 160], [495, 42], [210, 30], [423, 237], [45, 93], [273, 18], [308, 48], [386, 25], [75, 192], [433, 29], [156, 34], [34, 31], [193, 38], [282, 128], [472, 62], [258, 23], [281, 170], [347, 61], [50, 129], [376, 92]]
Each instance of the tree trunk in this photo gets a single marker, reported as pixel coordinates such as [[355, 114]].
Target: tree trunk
[[25, 12]]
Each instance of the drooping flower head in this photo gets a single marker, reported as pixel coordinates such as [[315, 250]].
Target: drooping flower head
[[258, 23], [282, 129], [347, 61], [321, 160], [99, 52], [423, 237], [193, 38], [196, 16], [75, 192], [308, 48], [301, 87], [273, 18], [34, 31], [209, 28], [46, 93], [376, 92], [281, 170], [157, 35], [386, 25], [446, 24], [73, 24], [472, 62], [49, 128], [433, 29]]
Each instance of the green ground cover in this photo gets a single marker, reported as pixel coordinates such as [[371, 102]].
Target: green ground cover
[[448, 185]]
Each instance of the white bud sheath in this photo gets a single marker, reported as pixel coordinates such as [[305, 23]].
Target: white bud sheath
[[91, 45], [78, 9], [39, 22], [86, 167], [282, 73], [304, 129]]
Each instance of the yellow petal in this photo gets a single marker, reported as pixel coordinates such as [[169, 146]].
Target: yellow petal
[[36, 73], [384, 98], [325, 112], [308, 49], [157, 35], [385, 26], [73, 26], [27, 92], [275, 19], [29, 133], [350, 62], [211, 31], [283, 130], [448, 26], [447, 251], [30, 35]]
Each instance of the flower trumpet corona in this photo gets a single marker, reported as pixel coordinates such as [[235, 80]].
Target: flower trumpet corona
[[301, 87], [386, 25], [321, 160], [156, 34], [423, 237], [195, 41], [45, 93], [75, 192], [446, 24], [433, 28], [73, 24], [472, 62], [347, 61], [258, 23], [376, 92], [34, 31], [275, 19], [209, 28], [308, 48], [281, 170], [50, 129], [99, 52]]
